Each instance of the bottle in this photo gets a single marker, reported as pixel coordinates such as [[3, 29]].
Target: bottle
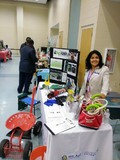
[[106, 116]]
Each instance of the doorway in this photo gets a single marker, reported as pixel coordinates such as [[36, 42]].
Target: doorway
[[60, 39], [85, 48]]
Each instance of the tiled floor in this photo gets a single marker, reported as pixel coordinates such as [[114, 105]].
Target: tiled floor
[[8, 103]]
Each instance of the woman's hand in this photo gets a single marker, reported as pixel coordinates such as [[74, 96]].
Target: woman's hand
[[102, 96], [78, 97]]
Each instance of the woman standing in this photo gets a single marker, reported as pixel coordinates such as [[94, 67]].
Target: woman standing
[[26, 66], [96, 78]]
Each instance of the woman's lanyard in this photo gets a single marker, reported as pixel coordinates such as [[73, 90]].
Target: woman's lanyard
[[88, 79]]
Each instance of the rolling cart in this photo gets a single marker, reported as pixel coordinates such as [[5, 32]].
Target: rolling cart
[[20, 124]]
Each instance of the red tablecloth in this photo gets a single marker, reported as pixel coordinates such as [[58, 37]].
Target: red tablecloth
[[4, 54]]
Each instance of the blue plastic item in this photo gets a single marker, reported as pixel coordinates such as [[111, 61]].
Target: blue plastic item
[[44, 73], [50, 102], [28, 101]]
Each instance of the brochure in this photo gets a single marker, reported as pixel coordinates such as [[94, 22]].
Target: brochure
[[58, 126]]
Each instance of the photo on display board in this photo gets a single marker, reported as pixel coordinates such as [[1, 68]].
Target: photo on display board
[[73, 56], [58, 76], [71, 83], [60, 53], [64, 77], [56, 63], [72, 69], [65, 64]]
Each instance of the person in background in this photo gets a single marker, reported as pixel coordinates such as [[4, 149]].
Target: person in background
[[96, 78], [26, 66], [9, 50]]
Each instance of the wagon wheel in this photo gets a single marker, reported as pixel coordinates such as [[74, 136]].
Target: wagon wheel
[[4, 144], [27, 150], [37, 128]]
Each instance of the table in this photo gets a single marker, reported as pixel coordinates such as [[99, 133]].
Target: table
[[4, 54], [78, 143]]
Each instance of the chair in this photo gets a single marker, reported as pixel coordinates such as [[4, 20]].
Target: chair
[[30, 101], [38, 152]]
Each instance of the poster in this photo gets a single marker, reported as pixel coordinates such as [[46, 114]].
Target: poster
[[60, 53], [110, 57], [64, 66], [56, 63]]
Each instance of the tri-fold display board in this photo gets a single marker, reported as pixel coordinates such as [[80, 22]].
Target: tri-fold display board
[[64, 66]]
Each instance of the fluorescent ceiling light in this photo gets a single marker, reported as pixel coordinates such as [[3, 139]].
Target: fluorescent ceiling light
[[33, 1]]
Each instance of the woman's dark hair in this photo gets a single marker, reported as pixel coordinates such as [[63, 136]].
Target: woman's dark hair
[[87, 62], [27, 39], [30, 42]]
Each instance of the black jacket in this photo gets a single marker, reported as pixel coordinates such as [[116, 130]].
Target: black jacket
[[27, 59]]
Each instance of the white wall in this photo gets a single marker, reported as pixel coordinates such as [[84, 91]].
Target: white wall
[[88, 18], [8, 25], [35, 24], [59, 14], [108, 36], [19, 20]]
